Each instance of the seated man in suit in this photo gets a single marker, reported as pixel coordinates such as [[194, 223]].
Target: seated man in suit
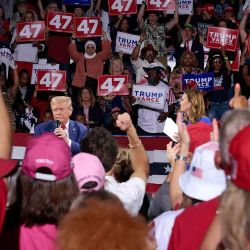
[[71, 131]]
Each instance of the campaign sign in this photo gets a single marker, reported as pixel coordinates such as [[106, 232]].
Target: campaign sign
[[117, 7], [88, 26], [204, 81], [149, 96], [236, 63], [76, 2], [185, 7], [51, 80], [30, 31], [222, 37], [168, 5], [60, 22], [115, 85], [46, 67], [126, 42]]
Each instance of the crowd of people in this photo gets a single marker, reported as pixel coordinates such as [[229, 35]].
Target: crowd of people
[[76, 188], [169, 47]]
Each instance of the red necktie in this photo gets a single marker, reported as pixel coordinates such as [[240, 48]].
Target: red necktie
[[187, 46], [63, 126]]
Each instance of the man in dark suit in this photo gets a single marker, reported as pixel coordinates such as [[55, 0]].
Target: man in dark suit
[[189, 43], [71, 132]]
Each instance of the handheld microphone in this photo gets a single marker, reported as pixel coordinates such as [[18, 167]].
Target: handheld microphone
[[57, 123]]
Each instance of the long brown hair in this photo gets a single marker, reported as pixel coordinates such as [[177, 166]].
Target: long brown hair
[[44, 202], [92, 97], [197, 105]]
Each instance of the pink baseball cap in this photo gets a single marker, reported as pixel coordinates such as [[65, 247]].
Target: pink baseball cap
[[47, 151], [88, 168], [239, 150]]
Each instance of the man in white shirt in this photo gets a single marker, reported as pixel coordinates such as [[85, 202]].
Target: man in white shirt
[[152, 120], [101, 143]]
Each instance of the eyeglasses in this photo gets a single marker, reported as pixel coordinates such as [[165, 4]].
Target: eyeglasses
[[217, 61]]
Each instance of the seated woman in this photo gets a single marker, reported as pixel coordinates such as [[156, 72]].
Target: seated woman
[[87, 107]]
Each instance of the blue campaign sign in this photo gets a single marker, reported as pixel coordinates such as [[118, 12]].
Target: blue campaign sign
[[204, 81], [76, 2]]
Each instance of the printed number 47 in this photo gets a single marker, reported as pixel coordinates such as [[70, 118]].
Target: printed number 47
[[56, 21], [108, 84], [47, 79], [26, 30], [84, 27], [117, 5]]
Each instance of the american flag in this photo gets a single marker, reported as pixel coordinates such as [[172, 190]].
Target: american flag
[[197, 172], [155, 146]]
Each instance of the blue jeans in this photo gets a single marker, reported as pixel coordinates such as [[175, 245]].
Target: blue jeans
[[217, 110]]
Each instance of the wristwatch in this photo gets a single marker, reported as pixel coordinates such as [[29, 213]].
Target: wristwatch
[[181, 158]]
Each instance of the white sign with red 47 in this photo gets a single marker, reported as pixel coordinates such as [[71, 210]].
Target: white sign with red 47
[[30, 31], [88, 26], [51, 80], [115, 85], [60, 22]]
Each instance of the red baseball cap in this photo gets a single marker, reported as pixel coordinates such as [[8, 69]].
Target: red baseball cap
[[239, 151], [199, 134], [6, 166], [209, 8], [49, 152]]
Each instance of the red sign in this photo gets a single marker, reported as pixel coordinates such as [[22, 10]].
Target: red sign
[[51, 80], [117, 7], [60, 22], [30, 31], [88, 26], [222, 37], [161, 5], [108, 84], [236, 63]]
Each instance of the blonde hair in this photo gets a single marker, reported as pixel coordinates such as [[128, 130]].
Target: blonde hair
[[61, 99], [235, 218], [197, 105], [193, 58], [111, 63], [123, 166]]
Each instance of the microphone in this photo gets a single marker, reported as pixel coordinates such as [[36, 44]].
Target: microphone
[[57, 123]]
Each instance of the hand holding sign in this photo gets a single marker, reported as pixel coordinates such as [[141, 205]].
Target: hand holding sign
[[112, 85]]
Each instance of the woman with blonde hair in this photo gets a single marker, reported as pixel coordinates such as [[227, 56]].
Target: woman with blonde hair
[[193, 106]]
